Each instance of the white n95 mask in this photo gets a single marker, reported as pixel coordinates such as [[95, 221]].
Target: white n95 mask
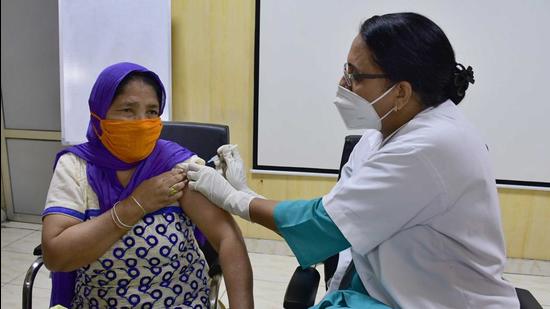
[[357, 112]]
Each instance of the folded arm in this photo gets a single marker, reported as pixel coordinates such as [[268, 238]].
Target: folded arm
[[69, 244]]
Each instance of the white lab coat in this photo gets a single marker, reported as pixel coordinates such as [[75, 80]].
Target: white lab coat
[[421, 213]]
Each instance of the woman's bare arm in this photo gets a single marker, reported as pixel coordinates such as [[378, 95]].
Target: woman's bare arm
[[68, 244], [224, 235]]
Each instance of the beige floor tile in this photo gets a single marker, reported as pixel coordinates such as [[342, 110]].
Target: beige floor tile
[[268, 294], [222, 293], [22, 225], [25, 244], [14, 265], [42, 279], [266, 297], [11, 235], [527, 267], [275, 268], [12, 297], [539, 286], [223, 299]]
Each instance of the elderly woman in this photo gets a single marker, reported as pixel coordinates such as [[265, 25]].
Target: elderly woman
[[110, 217]]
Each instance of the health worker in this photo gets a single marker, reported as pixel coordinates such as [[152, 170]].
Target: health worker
[[417, 200]]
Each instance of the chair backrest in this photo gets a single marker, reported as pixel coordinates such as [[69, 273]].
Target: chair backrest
[[201, 138], [349, 143], [204, 140], [331, 263]]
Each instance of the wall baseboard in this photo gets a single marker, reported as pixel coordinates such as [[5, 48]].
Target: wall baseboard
[[527, 267]]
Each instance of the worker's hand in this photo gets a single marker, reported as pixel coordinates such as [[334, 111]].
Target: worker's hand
[[215, 188], [232, 166], [161, 190]]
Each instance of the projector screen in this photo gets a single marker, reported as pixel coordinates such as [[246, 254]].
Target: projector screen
[[96, 34], [301, 47]]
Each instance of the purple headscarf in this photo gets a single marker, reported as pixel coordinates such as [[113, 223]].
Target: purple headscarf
[[101, 165]]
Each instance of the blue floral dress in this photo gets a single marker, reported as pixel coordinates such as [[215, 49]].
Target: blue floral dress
[[156, 265]]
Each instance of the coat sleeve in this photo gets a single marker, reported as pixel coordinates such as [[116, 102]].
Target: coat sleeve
[[308, 231]]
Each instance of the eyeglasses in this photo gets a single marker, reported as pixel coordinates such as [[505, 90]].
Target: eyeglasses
[[350, 77]]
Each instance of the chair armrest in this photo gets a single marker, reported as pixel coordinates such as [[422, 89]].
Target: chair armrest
[[37, 251], [29, 282], [302, 288], [215, 282], [527, 300], [214, 272]]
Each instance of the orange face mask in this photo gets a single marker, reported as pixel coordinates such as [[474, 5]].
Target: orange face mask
[[129, 140]]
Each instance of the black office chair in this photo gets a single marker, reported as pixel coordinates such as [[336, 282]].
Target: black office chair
[[303, 285], [202, 139]]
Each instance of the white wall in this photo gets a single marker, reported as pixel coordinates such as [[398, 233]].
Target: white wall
[[304, 44], [96, 34]]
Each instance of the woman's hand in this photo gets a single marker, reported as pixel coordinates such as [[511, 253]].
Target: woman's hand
[[160, 191]]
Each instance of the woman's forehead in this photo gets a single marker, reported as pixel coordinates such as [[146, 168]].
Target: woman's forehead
[[360, 56], [137, 91], [138, 87]]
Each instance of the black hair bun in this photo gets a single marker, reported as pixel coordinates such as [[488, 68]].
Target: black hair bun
[[460, 81]]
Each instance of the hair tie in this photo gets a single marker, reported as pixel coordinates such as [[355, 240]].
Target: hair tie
[[462, 77]]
